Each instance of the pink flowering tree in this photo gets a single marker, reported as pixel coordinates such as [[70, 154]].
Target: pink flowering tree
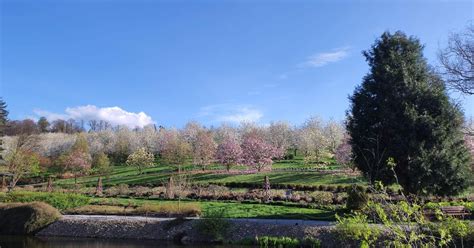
[[78, 160], [257, 153], [229, 152]]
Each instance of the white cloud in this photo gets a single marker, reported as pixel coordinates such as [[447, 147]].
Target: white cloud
[[322, 59], [231, 113], [113, 115]]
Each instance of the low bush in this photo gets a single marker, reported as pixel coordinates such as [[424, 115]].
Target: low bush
[[277, 242], [60, 201], [26, 218], [322, 198], [286, 242], [213, 225], [357, 198], [356, 228]]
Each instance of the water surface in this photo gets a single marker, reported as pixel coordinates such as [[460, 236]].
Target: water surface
[[67, 242]]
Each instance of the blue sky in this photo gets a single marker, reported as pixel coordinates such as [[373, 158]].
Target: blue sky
[[209, 61]]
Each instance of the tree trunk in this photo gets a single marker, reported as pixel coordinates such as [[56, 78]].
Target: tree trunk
[[49, 187], [4, 182]]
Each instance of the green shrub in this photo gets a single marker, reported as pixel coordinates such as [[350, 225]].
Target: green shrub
[[357, 198], [277, 242], [60, 201], [26, 218], [311, 242], [214, 225], [322, 197], [280, 242], [357, 228]]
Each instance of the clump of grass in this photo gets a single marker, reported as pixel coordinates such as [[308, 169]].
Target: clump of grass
[[26, 218], [170, 209], [100, 210], [60, 201]]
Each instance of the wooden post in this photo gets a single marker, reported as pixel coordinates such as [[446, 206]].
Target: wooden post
[[170, 188], [49, 187], [99, 188], [266, 188], [4, 182]]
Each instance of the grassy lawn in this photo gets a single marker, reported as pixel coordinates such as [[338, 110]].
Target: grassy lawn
[[160, 174], [228, 209], [237, 210]]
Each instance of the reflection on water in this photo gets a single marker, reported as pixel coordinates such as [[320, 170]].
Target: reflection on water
[[67, 242]]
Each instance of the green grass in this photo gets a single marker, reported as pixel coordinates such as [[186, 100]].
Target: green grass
[[160, 174], [239, 210]]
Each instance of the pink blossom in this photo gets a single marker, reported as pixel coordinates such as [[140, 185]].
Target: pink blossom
[[257, 153], [229, 152]]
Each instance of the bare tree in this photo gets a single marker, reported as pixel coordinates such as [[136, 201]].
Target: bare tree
[[457, 60]]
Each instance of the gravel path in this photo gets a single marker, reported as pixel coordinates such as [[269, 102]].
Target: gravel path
[[156, 219]]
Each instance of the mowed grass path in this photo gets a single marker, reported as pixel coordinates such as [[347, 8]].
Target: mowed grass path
[[160, 174]]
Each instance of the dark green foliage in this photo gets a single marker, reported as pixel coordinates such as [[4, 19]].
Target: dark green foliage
[[280, 242], [357, 198], [26, 218], [214, 225], [3, 122], [60, 201], [277, 242], [402, 111], [289, 156], [43, 125]]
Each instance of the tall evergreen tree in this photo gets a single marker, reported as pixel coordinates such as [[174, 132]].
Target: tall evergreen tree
[[3, 124], [402, 112]]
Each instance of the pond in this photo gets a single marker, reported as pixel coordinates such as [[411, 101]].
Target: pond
[[67, 242]]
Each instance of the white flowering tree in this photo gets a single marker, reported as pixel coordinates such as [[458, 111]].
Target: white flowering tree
[[141, 159]]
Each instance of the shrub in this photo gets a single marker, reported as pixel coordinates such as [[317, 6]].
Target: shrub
[[357, 198], [311, 242], [141, 191], [60, 201], [123, 189], [289, 156], [356, 228], [26, 218], [280, 242], [277, 242], [213, 225], [111, 191], [322, 198]]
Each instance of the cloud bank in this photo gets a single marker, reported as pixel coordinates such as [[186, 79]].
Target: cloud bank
[[113, 115], [231, 113], [322, 59]]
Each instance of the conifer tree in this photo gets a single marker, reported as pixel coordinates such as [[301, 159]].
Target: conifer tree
[[402, 124], [3, 124]]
